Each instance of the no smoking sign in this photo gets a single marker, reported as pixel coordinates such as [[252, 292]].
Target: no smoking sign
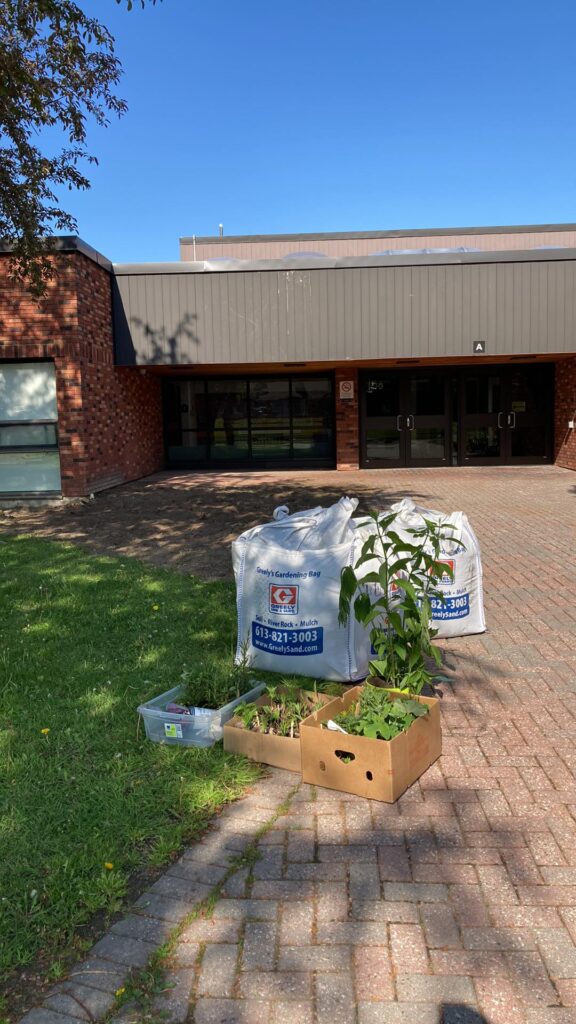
[[346, 389]]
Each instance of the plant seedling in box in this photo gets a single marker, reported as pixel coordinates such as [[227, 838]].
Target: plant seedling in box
[[372, 742], [268, 730], [194, 713], [212, 683], [380, 714]]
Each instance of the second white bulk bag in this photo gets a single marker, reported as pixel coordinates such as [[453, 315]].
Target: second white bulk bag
[[461, 612]]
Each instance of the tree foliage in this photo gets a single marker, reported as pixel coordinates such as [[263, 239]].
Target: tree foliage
[[58, 74]]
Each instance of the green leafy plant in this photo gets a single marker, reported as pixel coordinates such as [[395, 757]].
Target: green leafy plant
[[390, 589], [211, 683], [287, 706], [302, 683], [379, 714]]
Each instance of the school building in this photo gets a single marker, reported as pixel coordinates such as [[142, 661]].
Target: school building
[[347, 351]]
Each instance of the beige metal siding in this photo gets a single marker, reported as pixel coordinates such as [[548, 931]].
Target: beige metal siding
[[346, 313], [338, 247]]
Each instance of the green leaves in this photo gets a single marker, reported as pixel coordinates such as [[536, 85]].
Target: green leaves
[[380, 714], [287, 706], [59, 71], [362, 607], [390, 589], [348, 587]]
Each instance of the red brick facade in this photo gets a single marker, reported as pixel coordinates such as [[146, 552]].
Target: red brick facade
[[109, 418], [347, 420], [564, 411]]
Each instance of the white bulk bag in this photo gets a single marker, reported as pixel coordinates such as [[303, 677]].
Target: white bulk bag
[[287, 594], [462, 611]]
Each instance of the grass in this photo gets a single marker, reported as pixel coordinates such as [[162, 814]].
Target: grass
[[85, 800]]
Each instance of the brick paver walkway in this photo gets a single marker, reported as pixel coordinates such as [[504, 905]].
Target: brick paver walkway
[[458, 903]]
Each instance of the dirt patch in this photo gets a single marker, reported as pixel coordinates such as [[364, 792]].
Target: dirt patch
[[187, 521]]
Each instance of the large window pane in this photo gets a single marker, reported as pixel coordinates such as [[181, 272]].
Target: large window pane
[[482, 443], [34, 472], [227, 410], [28, 391], [382, 396], [427, 396], [270, 401], [270, 418], [482, 394], [427, 443], [272, 443], [383, 444], [186, 427], [527, 395], [312, 416], [27, 435], [529, 440]]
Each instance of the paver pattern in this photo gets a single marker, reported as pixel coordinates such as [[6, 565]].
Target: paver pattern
[[456, 904]]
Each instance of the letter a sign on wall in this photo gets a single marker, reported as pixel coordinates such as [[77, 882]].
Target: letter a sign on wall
[[478, 347]]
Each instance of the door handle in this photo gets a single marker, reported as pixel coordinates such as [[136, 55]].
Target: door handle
[[500, 415], [410, 422], [511, 420], [398, 422]]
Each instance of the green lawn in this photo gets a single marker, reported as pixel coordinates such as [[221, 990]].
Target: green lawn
[[83, 641]]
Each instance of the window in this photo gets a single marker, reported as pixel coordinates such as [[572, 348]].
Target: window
[[250, 421], [29, 460]]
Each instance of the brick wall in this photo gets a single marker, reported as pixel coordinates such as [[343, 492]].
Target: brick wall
[[109, 418], [122, 407], [347, 435], [565, 410]]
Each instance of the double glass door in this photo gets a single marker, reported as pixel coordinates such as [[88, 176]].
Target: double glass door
[[405, 419], [475, 415], [505, 415]]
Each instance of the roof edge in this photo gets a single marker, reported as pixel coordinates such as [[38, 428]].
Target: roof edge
[[499, 229], [67, 243], [287, 264]]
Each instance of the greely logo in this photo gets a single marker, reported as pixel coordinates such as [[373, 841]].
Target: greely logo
[[283, 600], [446, 576]]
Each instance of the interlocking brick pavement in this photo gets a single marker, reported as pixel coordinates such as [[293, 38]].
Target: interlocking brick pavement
[[457, 904]]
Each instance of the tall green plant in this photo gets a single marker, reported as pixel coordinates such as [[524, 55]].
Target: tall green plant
[[390, 589]]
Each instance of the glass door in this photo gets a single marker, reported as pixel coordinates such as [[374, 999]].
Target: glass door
[[529, 414], [383, 421], [427, 419], [482, 417]]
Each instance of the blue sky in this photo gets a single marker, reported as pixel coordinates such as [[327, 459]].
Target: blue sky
[[322, 115]]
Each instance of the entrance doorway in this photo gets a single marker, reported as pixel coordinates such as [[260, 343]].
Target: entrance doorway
[[470, 416], [405, 419], [505, 415]]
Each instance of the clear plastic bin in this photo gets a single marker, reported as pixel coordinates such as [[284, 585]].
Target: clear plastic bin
[[202, 730]]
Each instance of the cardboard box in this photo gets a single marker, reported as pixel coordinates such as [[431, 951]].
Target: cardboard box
[[279, 751], [378, 769]]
